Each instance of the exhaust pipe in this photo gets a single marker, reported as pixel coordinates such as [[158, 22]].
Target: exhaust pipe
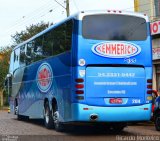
[[93, 117]]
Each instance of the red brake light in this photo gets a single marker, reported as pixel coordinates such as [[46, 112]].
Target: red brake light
[[149, 86], [79, 86]]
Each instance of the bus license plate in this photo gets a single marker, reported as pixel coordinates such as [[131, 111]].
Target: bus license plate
[[115, 101]]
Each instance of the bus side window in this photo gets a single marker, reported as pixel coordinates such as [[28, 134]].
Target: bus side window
[[22, 56], [11, 66], [38, 49], [48, 44], [58, 40], [28, 53], [68, 36], [16, 58]]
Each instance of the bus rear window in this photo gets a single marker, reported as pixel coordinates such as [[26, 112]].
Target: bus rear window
[[114, 27]]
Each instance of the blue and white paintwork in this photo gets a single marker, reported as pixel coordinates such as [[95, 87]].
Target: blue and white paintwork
[[102, 80]]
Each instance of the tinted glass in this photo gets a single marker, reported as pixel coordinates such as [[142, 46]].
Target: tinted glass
[[114, 27], [22, 55], [62, 38], [48, 44], [56, 41], [37, 51]]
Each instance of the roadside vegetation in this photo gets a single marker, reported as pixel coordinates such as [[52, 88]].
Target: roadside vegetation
[[5, 52]]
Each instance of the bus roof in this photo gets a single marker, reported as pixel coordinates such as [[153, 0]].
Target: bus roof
[[136, 14], [80, 15]]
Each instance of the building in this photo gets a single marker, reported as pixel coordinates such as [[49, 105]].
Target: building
[[152, 9]]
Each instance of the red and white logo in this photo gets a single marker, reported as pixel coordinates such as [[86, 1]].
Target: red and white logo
[[116, 49], [44, 77], [155, 27]]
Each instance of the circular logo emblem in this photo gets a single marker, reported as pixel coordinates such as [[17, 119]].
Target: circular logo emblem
[[44, 77], [82, 62]]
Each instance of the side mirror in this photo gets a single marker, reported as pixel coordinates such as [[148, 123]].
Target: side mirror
[[9, 75], [8, 80]]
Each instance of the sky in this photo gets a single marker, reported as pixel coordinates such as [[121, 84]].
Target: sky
[[15, 15]]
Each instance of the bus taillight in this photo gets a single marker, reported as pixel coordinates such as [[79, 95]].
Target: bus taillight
[[149, 80], [149, 92], [149, 86], [79, 80], [79, 86], [79, 92]]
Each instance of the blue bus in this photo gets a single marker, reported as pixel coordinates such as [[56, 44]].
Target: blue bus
[[93, 68]]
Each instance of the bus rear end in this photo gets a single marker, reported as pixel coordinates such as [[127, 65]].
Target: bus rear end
[[113, 68]]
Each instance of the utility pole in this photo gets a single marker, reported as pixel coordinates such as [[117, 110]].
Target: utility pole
[[67, 8]]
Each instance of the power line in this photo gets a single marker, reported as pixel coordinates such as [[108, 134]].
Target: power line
[[74, 2], [35, 11], [38, 14], [66, 8], [45, 9], [27, 18], [60, 4]]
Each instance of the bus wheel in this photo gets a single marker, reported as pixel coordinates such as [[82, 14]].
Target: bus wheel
[[157, 122], [48, 120], [15, 107], [20, 117], [16, 110], [57, 125]]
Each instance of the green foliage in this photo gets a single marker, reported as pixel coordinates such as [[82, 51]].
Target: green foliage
[[30, 31], [18, 37], [4, 64]]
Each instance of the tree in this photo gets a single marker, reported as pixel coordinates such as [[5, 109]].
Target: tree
[[4, 64], [30, 31], [18, 38]]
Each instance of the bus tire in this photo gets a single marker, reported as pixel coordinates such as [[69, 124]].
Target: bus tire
[[157, 122], [15, 107], [48, 120], [59, 127], [20, 117], [23, 118]]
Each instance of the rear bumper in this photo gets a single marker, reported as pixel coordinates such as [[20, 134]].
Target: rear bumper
[[82, 112]]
